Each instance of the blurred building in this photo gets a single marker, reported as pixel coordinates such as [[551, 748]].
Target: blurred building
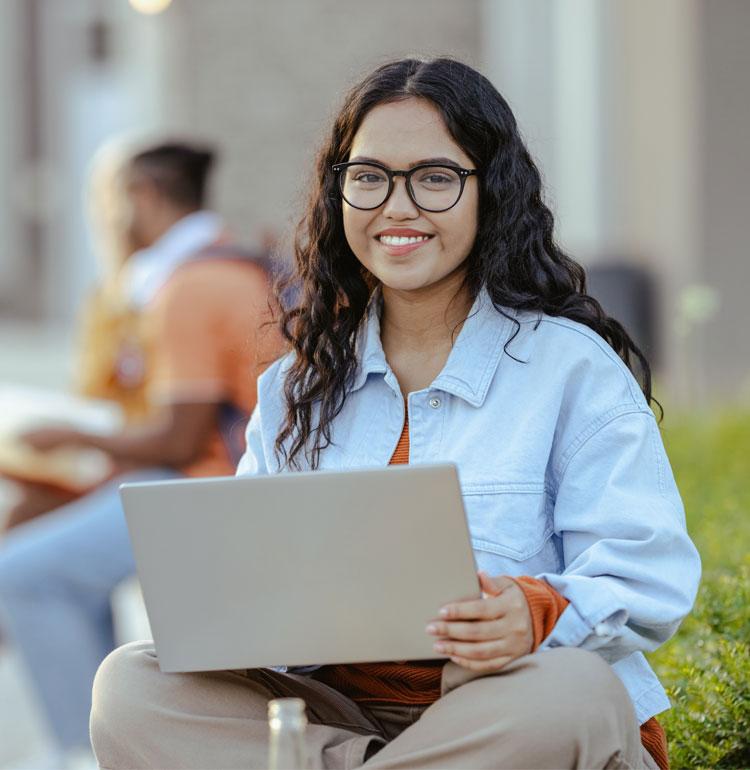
[[637, 112]]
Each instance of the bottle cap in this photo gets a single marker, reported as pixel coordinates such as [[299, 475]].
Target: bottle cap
[[280, 708]]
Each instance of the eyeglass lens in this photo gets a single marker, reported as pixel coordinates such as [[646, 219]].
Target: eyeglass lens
[[435, 188]]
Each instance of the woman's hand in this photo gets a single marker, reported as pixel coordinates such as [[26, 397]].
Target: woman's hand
[[45, 439], [486, 634]]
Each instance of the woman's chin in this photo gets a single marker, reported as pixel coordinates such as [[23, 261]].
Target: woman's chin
[[403, 283], [414, 281], [402, 277]]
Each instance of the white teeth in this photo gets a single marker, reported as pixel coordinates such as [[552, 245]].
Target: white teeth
[[400, 240]]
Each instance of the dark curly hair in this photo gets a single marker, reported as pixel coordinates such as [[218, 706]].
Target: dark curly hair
[[514, 254]]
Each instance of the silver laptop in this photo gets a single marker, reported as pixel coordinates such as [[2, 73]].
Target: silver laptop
[[299, 568]]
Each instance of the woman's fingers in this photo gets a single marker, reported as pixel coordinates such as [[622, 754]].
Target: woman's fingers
[[474, 631], [488, 608], [481, 651]]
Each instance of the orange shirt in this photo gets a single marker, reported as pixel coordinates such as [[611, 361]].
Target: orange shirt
[[418, 682], [207, 339]]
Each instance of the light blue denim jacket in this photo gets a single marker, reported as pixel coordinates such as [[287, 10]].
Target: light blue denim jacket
[[561, 464]]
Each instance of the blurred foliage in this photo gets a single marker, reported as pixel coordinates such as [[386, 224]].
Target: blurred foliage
[[706, 667]]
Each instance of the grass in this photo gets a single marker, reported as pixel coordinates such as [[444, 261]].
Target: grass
[[706, 666]]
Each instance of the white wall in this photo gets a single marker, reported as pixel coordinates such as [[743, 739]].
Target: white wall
[[544, 57], [11, 254], [609, 96], [653, 109], [725, 171], [81, 103]]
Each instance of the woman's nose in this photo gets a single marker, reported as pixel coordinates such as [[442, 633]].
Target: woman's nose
[[399, 204]]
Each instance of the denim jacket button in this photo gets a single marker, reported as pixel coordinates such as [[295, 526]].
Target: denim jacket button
[[602, 629], [435, 403]]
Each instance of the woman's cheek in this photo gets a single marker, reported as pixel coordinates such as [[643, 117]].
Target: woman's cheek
[[356, 235]]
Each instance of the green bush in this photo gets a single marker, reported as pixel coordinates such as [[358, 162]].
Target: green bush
[[706, 667]]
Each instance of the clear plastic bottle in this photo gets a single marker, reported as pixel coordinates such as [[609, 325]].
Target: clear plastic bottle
[[286, 732]]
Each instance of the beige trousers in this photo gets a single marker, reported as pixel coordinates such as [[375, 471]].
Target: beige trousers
[[562, 708]]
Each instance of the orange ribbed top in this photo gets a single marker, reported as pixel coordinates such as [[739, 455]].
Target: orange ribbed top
[[418, 682]]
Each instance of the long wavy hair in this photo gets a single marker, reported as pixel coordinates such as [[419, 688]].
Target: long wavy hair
[[514, 254]]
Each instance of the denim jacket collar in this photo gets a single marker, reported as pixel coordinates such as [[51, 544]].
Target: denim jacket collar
[[472, 362]]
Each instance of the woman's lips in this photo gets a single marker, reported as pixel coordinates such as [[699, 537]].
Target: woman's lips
[[399, 249]]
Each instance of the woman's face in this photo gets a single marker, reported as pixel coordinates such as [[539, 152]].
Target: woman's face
[[400, 135]]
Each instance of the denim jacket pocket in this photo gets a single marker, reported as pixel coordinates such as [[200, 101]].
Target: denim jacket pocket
[[510, 522]]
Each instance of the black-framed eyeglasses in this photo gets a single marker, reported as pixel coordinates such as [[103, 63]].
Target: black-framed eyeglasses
[[431, 187]]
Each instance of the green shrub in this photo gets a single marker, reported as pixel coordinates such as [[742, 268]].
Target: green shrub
[[706, 667], [705, 670]]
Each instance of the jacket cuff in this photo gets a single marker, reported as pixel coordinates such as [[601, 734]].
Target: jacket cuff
[[545, 604]]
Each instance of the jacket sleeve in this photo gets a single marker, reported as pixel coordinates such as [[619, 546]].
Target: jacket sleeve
[[630, 572], [253, 461]]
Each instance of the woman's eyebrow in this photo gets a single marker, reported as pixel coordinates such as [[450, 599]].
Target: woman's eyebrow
[[441, 161]]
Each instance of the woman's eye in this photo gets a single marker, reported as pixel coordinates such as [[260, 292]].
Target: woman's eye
[[368, 178], [436, 179]]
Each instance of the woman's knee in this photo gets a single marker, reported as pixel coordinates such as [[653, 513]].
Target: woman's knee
[[122, 692], [588, 670], [586, 689], [562, 705]]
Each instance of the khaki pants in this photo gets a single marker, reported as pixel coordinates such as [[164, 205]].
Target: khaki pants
[[562, 708]]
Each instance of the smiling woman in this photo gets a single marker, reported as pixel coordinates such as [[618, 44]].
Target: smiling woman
[[422, 211], [438, 321]]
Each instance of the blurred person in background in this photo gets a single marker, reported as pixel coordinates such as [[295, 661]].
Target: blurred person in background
[[108, 362], [200, 337]]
